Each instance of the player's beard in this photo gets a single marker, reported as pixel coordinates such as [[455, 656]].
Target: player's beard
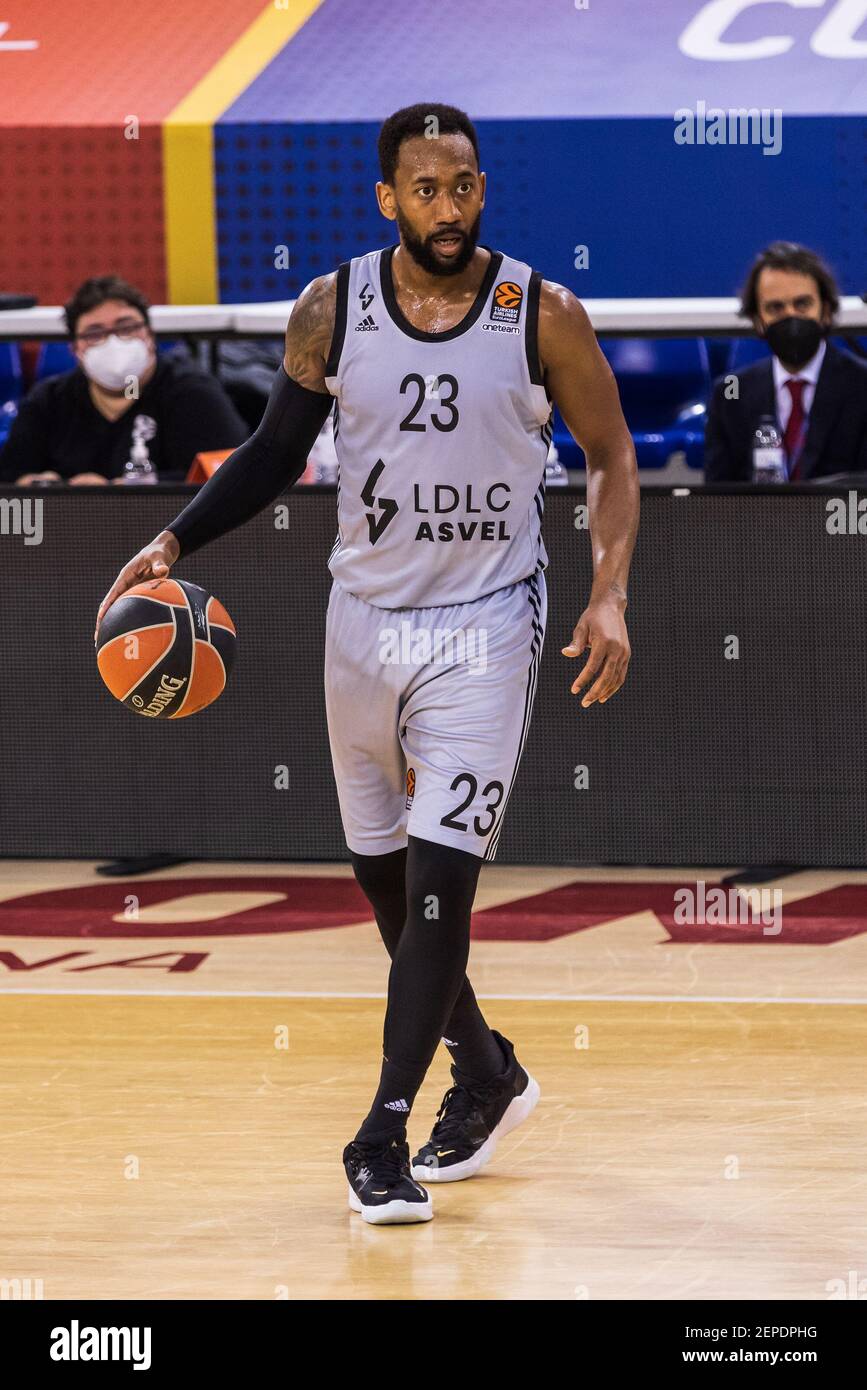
[[421, 248]]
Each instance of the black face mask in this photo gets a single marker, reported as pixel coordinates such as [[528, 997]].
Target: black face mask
[[794, 340]]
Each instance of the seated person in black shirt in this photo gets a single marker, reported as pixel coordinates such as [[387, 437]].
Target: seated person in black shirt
[[816, 394], [80, 427]]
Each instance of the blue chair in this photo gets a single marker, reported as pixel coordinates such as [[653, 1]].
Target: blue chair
[[664, 385], [8, 411], [744, 352], [10, 372], [718, 354], [10, 386], [53, 359], [657, 376]]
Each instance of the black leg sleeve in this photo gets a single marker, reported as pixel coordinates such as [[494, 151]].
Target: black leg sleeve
[[426, 977], [470, 1042]]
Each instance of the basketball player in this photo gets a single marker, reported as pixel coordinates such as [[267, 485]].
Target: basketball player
[[442, 358]]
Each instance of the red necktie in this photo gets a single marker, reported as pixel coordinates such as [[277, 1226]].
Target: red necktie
[[793, 437]]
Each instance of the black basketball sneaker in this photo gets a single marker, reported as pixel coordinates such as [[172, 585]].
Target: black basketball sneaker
[[380, 1184], [473, 1117]]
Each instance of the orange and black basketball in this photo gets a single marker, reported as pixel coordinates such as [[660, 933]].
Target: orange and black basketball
[[165, 648]]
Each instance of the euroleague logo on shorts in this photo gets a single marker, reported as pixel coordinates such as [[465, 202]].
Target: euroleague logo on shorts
[[410, 786], [507, 301]]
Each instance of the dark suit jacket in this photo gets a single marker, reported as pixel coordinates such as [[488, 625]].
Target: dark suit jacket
[[836, 434]]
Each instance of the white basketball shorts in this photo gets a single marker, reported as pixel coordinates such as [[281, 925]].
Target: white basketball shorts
[[428, 711]]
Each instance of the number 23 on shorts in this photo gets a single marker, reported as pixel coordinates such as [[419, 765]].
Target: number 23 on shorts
[[492, 790]]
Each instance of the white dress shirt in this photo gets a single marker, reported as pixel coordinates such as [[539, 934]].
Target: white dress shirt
[[808, 373]]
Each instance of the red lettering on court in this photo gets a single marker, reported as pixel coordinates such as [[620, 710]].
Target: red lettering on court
[[319, 902], [14, 962], [306, 904], [184, 961], [818, 920]]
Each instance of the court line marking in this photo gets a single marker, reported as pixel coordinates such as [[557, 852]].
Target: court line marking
[[357, 994]]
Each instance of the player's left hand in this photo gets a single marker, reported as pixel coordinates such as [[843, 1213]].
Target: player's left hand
[[602, 628]]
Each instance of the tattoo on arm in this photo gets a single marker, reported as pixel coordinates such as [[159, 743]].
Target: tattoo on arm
[[309, 332]]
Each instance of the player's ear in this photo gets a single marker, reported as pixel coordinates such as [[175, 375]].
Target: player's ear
[[386, 201], [482, 186]]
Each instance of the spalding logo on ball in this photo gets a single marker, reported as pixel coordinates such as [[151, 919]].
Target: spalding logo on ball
[[165, 648]]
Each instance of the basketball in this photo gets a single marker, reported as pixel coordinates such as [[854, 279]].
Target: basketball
[[165, 649]]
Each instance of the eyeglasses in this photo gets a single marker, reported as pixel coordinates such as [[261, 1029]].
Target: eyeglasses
[[92, 337]]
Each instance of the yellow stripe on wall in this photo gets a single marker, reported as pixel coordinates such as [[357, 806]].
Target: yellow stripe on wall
[[188, 151]]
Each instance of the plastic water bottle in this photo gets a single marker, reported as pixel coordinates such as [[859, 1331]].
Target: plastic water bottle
[[555, 473], [769, 459]]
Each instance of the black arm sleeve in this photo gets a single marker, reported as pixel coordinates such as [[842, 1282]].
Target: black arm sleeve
[[258, 471]]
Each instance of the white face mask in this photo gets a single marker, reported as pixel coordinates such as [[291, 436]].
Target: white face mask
[[115, 361]]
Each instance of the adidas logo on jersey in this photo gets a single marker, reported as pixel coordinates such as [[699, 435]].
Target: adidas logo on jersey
[[399, 1105], [367, 325]]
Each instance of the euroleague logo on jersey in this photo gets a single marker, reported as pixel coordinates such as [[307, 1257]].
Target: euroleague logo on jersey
[[505, 308], [506, 303]]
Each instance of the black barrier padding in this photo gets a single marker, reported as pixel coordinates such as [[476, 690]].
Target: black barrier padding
[[699, 760]]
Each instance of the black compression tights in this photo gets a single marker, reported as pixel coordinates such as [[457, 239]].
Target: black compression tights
[[422, 897]]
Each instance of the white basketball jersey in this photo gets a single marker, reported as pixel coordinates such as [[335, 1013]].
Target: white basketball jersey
[[441, 440]]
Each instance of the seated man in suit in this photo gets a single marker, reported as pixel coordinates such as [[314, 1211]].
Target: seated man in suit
[[816, 393]]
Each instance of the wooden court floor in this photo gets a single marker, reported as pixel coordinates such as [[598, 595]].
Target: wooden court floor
[[176, 1095]]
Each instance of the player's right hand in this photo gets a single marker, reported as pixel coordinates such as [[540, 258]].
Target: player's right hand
[[152, 562]]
